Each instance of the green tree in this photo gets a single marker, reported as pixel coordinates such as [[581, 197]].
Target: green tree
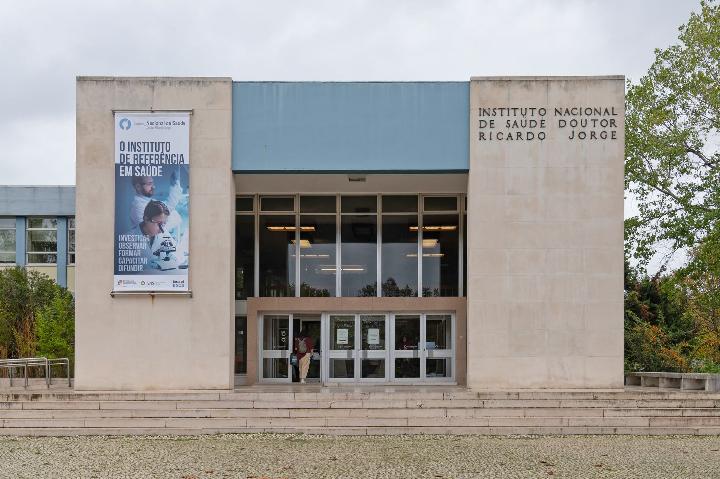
[[672, 150], [22, 294], [55, 327], [698, 285]]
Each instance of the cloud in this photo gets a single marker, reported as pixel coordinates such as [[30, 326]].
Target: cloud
[[47, 44]]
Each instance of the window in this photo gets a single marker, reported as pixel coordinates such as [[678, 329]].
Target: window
[[71, 241], [344, 245], [358, 235], [277, 255], [7, 240], [318, 266], [440, 260], [399, 269], [240, 344], [244, 256], [42, 241], [277, 203]]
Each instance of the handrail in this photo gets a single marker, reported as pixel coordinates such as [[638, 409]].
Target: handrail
[[13, 363]]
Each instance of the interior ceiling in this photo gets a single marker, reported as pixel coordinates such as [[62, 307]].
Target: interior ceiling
[[340, 183]]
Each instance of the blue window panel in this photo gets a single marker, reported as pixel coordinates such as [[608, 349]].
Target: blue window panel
[[351, 127]]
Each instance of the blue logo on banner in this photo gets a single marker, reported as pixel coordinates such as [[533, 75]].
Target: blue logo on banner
[[125, 124]]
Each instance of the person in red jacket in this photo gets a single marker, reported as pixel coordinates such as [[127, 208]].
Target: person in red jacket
[[303, 349]]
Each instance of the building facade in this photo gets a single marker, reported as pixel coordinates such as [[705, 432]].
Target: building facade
[[37, 230], [418, 232]]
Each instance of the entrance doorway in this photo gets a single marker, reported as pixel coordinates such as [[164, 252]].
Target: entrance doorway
[[401, 348], [310, 325]]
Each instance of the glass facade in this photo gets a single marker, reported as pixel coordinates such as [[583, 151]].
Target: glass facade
[[295, 245], [7, 240], [399, 255], [317, 247], [42, 240], [277, 255], [244, 256], [359, 255], [440, 254]]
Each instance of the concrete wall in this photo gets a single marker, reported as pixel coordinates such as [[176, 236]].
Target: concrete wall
[[545, 235], [155, 342]]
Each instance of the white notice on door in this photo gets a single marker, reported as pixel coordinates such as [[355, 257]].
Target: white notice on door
[[373, 336], [342, 336]]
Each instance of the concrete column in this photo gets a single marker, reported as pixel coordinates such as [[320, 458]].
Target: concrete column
[[545, 232], [61, 262], [143, 342], [20, 241]]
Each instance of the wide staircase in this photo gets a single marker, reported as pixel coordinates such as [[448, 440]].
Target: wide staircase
[[359, 411]]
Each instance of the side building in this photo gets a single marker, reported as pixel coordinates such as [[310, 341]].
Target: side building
[[37, 230]]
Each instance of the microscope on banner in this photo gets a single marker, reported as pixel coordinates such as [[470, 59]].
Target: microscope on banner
[[163, 250]]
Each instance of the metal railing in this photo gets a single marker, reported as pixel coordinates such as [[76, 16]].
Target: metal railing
[[24, 363]]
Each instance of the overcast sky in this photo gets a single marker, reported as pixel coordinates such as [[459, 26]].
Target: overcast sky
[[45, 44]]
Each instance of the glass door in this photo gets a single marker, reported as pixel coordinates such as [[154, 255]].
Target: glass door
[[373, 350], [438, 350], [357, 349], [276, 347], [407, 351], [423, 348], [341, 351]]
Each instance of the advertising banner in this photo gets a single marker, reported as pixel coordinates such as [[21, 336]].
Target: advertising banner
[[152, 187]]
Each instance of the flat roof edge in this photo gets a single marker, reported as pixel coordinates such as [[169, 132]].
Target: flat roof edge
[[117, 78], [557, 77], [352, 81], [349, 172]]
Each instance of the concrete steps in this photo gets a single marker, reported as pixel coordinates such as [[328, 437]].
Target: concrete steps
[[360, 411]]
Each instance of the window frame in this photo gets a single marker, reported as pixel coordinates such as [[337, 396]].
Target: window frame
[[13, 228], [28, 252], [460, 211]]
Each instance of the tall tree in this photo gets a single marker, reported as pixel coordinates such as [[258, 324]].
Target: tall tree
[[673, 141]]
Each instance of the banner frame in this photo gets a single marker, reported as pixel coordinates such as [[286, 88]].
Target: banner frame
[[187, 293]]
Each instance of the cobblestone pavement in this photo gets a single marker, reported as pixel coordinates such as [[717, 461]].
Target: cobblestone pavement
[[265, 456]]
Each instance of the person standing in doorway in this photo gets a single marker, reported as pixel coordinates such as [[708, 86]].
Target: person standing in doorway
[[303, 349]]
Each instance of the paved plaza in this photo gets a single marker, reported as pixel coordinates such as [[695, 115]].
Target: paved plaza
[[298, 456]]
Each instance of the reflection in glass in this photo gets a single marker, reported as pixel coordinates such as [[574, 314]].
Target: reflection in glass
[[240, 344], [440, 203], [342, 333], [359, 255], [342, 368], [399, 255], [244, 203], [317, 255], [317, 204], [7, 240], [399, 203], [275, 368], [275, 333], [440, 255], [244, 256], [358, 204], [277, 255], [373, 368], [438, 331], [372, 329], [437, 368], [407, 332], [407, 368], [277, 203]]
